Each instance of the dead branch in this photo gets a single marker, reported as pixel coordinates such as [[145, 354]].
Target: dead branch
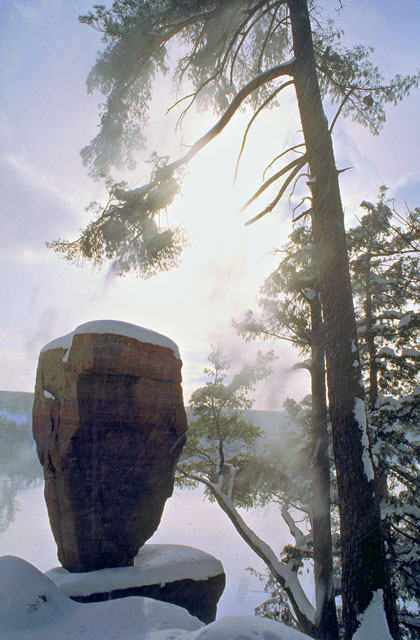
[[297, 162], [283, 153], [252, 120], [279, 196]]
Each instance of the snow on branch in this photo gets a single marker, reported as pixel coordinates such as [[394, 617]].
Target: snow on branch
[[283, 574], [300, 538]]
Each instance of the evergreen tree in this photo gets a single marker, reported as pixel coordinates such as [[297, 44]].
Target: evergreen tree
[[384, 262], [385, 258], [239, 50], [221, 454], [220, 439]]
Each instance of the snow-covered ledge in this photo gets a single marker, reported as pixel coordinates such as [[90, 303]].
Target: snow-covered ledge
[[154, 564], [183, 576]]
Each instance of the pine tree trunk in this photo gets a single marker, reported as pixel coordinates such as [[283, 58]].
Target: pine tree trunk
[[362, 550], [321, 501]]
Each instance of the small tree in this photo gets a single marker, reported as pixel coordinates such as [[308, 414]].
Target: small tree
[[221, 454], [220, 439]]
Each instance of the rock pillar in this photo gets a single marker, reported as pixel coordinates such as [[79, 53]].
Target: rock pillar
[[109, 425]]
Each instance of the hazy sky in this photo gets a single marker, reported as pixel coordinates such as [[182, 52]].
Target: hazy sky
[[46, 117]]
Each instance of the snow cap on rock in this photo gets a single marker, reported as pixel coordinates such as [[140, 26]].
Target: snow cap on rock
[[114, 327]]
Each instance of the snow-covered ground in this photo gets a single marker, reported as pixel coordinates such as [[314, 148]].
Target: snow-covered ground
[[26, 615], [32, 607]]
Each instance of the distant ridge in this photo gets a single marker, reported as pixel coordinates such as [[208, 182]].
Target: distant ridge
[[18, 402], [271, 423]]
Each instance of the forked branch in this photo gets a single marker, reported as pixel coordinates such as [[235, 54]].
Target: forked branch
[[252, 120], [279, 196], [278, 71], [297, 162]]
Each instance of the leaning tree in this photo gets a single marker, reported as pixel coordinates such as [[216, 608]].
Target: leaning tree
[[241, 54]]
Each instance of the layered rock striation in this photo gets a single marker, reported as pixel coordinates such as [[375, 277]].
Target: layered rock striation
[[109, 425]]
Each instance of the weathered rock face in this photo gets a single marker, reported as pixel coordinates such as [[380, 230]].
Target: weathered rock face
[[109, 425]]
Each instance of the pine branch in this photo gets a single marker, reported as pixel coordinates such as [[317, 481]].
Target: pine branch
[[252, 120], [264, 77]]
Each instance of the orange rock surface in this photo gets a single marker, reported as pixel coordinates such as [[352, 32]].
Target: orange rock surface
[[109, 425]]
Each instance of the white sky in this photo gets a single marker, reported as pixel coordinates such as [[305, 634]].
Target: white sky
[[46, 117]]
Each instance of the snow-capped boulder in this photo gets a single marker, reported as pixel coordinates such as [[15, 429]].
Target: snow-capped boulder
[[187, 577], [109, 424], [32, 607]]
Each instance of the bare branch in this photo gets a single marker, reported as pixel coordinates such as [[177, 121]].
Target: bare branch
[[298, 535], [277, 199], [281, 572], [266, 39], [307, 212], [252, 120], [303, 200], [297, 162], [340, 108], [283, 153]]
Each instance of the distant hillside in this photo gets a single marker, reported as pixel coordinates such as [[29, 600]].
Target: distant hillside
[[16, 401], [271, 423]]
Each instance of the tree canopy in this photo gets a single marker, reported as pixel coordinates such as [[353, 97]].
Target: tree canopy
[[224, 57]]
